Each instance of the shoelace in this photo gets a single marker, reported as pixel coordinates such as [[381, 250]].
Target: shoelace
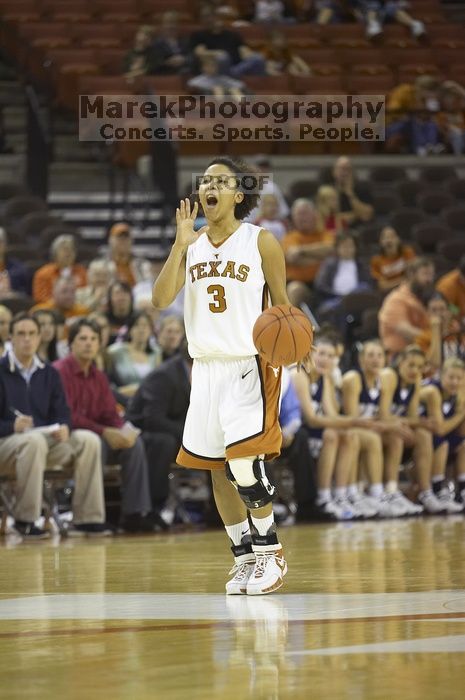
[[240, 571], [260, 564]]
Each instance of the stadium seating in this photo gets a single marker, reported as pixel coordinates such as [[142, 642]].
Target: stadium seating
[[59, 44]]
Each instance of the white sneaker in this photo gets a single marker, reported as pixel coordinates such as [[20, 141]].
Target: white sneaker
[[417, 28], [363, 506], [371, 501], [390, 508], [237, 585], [405, 503], [346, 510], [374, 28], [338, 510], [446, 497], [268, 573], [431, 504]]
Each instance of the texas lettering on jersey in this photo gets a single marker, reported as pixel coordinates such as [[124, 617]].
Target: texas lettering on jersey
[[217, 268]]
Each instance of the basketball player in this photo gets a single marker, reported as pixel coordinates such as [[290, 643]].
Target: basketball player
[[361, 391], [229, 270], [400, 398], [331, 443], [444, 401]]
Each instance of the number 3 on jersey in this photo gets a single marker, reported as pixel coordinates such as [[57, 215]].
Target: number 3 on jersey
[[219, 301]]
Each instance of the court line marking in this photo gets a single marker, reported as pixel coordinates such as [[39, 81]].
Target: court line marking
[[217, 607], [450, 644], [433, 617]]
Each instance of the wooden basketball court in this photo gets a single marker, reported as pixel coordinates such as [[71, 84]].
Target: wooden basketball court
[[370, 611]]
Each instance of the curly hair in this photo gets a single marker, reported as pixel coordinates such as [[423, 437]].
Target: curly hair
[[239, 167]]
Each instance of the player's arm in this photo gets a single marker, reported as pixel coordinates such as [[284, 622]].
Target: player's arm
[[351, 387], [173, 273], [302, 388], [273, 266], [388, 387], [387, 421], [413, 413], [432, 398]]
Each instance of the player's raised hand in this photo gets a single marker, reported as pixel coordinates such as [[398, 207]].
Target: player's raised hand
[[185, 219]]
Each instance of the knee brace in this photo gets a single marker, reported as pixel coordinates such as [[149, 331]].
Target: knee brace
[[259, 493]]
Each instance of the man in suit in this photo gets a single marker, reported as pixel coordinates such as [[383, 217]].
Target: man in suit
[[159, 409]]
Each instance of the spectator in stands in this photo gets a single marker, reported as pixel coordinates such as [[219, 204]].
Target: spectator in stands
[[32, 396], [229, 11], [403, 315], [63, 254], [269, 216], [327, 11], [452, 286], [354, 198], [268, 11], [94, 408], [101, 320], [444, 337], [451, 117], [341, 273], [120, 308], [281, 59], [375, 12], [169, 51], [226, 46], [48, 347], [262, 164], [212, 81], [15, 278], [170, 332], [411, 110], [5, 320], [140, 59], [159, 409], [295, 450], [63, 300], [327, 206], [128, 267], [389, 267], [142, 291], [132, 360], [100, 274], [304, 248]]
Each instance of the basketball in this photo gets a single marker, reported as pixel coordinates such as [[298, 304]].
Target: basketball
[[283, 335]]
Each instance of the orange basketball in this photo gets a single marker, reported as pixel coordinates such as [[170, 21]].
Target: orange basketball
[[283, 335]]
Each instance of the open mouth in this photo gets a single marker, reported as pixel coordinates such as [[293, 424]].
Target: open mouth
[[212, 200]]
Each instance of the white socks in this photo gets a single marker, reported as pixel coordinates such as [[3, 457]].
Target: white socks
[[324, 495], [238, 531], [376, 490], [262, 525]]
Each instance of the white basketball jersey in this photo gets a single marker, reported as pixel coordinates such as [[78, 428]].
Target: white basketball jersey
[[225, 292]]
